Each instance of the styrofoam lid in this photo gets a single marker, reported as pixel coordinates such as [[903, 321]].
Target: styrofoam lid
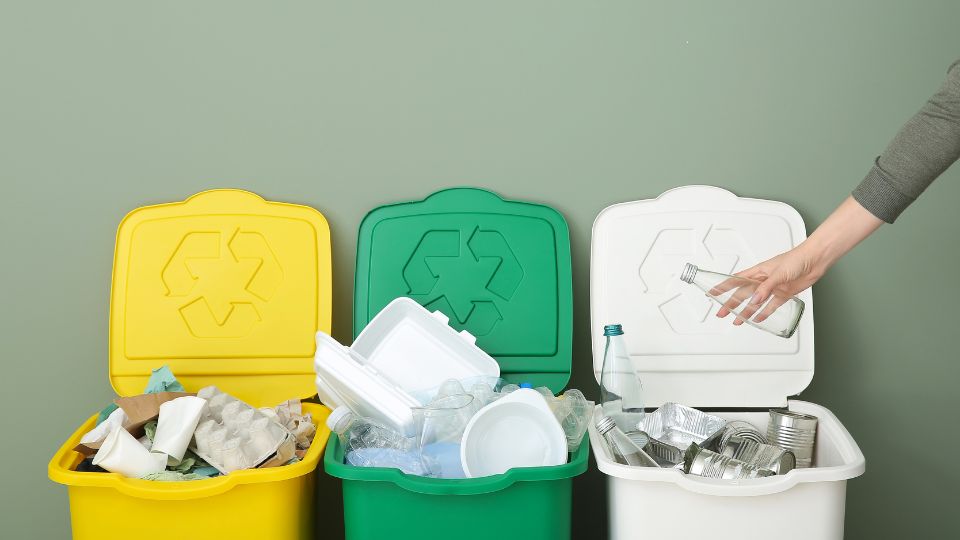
[[681, 351], [344, 378], [418, 351]]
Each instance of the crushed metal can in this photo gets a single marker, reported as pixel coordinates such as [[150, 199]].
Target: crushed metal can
[[760, 455], [709, 464]]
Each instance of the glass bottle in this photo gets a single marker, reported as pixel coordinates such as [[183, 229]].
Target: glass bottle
[[622, 448], [779, 314], [621, 393]]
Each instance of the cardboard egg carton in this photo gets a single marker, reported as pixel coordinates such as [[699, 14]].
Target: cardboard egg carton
[[232, 435]]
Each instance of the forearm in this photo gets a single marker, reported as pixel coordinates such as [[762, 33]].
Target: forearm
[[846, 227], [920, 152]]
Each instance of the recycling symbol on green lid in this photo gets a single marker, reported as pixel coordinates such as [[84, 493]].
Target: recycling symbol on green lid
[[464, 275], [221, 278]]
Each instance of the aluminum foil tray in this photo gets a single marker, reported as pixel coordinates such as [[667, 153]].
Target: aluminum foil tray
[[677, 426]]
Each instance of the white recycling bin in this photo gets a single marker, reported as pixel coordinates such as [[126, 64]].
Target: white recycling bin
[[684, 354]]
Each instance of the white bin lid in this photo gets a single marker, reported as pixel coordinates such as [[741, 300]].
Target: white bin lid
[[680, 350]]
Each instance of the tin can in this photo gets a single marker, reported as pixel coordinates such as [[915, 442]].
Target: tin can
[[709, 464], [760, 455], [740, 428], [795, 432]]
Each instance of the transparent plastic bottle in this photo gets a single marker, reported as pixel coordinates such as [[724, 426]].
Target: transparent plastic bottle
[[369, 444], [621, 393], [779, 314], [623, 449]]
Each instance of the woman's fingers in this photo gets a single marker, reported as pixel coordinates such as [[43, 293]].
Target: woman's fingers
[[737, 298], [748, 310], [726, 285], [779, 298]]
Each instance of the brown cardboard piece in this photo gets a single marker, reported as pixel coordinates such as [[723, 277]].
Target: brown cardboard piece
[[139, 410], [283, 455]]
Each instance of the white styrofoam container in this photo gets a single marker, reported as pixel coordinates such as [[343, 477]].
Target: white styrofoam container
[[343, 378], [404, 350], [417, 350], [685, 354]]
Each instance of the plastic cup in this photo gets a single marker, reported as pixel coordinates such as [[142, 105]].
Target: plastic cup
[[440, 427], [122, 453], [176, 425]]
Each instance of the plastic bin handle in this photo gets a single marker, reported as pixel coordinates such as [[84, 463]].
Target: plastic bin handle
[[196, 489]]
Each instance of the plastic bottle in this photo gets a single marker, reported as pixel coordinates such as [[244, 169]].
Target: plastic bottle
[[369, 444], [621, 393], [623, 449], [779, 314]]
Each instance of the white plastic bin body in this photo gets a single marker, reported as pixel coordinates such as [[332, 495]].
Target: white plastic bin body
[[804, 504]]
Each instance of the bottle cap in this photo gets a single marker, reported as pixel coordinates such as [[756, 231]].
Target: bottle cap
[[336, 415], [526, 385], [613, 330], [605, 424]]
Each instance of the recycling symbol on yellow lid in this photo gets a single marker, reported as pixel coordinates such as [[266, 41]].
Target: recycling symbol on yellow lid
[[222, 276]]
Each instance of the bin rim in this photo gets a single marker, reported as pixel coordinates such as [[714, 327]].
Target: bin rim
[[854, 464], [61, 469], [334, 466]]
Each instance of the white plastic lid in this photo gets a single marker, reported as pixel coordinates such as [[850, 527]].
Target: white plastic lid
[[680, 350]]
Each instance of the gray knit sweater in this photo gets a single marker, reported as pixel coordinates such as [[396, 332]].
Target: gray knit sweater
[[923, 148]]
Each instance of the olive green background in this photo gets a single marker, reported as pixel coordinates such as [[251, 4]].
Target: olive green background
[[344, 106]]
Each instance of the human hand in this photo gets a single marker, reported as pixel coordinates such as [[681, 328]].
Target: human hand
[[777, 280]]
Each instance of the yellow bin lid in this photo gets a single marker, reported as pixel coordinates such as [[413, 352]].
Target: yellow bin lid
[[226, 289]]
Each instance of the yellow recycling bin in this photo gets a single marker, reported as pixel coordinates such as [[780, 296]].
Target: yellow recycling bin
[[226, 289]]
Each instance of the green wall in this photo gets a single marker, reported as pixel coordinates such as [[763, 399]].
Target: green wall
[[107, 106]]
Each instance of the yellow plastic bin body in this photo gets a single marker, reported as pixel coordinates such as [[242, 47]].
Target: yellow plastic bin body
[[227, 289], [258, 503]]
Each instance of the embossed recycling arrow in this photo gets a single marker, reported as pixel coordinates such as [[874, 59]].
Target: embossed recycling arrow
[[508, 275], [464, 286], [221, 286]]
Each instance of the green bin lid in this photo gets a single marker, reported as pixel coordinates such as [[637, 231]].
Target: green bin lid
[[498, 269]]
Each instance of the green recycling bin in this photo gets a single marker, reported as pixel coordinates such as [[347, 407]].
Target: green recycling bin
[[500, 270]]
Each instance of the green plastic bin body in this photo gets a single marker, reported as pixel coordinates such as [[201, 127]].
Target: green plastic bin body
[[500, 270], [530, 503]]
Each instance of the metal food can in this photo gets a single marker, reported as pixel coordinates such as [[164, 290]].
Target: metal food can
[[709, 464], [760, 455], [793, 431], [740, 428]]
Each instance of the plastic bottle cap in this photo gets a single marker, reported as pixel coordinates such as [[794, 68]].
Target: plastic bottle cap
[[613, 330], [336, 415], [526, 385]]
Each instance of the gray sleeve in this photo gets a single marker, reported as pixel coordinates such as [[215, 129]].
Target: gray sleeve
[[921, 151]]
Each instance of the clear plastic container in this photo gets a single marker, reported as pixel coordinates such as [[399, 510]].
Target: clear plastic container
[[440, 428], [369, 444]]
